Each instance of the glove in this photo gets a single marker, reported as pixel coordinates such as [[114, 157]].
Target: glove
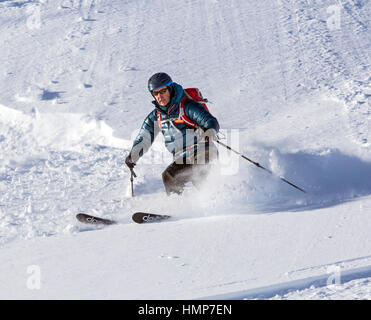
[[209, 135], [129, 162]]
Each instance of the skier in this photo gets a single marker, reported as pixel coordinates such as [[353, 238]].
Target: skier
[[188, 129]]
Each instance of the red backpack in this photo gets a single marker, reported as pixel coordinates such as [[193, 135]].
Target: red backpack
[[189, 93]]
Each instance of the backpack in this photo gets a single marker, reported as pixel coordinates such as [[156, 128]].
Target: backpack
[[189, 93]]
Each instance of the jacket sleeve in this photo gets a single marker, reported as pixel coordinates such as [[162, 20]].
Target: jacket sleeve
[[198, 114], [145, 137]]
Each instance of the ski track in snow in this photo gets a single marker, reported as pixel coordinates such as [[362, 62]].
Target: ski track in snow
[[75, 91], [333, 284]]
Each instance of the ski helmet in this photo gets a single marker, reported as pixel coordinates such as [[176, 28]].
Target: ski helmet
[[159, 80]]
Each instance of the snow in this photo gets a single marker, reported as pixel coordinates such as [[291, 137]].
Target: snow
[[289, 83]]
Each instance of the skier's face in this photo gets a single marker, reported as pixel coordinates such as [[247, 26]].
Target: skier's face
[[162, 96]]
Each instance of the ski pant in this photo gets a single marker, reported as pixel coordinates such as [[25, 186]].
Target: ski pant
[[177, 174]]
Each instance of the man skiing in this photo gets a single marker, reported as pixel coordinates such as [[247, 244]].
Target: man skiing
[[188, 128]]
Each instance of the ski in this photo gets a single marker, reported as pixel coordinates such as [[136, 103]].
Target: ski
[[86, 218], [138, 217], [143, 217]]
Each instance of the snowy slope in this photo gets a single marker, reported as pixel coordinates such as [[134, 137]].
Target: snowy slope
[[290, 85]]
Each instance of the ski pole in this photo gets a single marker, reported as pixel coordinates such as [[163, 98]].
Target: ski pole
[[132, 176], [259, 166]]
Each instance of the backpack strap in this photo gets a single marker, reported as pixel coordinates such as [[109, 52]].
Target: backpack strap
[[159, 119], [182, 116]]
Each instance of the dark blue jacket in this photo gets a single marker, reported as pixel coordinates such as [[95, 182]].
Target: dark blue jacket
[[181, 140]]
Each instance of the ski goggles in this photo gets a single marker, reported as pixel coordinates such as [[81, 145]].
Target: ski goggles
[[162, 91]]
